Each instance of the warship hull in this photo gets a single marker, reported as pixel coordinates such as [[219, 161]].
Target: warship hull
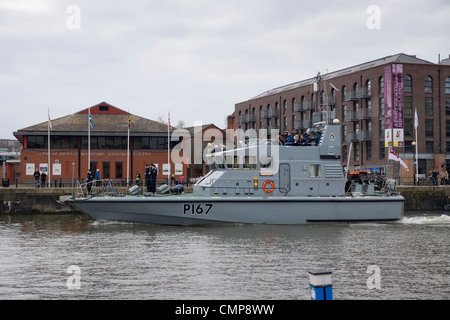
[[201, 210]]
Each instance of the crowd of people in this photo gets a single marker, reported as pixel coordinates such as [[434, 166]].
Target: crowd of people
[[437, 177], [299, 138]]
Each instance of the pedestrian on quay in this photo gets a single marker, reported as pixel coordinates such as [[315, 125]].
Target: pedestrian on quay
[[43, 178], [138, 179], [89, 178], [153, 175], [37, 176], [97, 177], [147, 177]]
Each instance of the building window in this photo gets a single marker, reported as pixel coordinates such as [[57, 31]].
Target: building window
[[447, 107], [382, 129], [105, 170], [428, 106], [408, 127], [447, 128], [407, 105], [409, 147], [382, 151], [36, 142], [381, 85], [381, 106], [429, 147], [447, 85], [429, 128], [119, 170], [369, 87], [428, 84], [369, 151], [407, 83], [356, 151]]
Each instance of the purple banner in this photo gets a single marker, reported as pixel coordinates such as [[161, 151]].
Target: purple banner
[[387, 106], [397, 77], [387, 97]]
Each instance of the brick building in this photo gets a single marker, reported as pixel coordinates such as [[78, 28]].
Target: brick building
[[69, 148], [368, 99]]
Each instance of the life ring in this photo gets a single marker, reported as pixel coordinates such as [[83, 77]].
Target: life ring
[[271, 184]]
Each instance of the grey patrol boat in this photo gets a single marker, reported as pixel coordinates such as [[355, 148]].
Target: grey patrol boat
[[261, 183]]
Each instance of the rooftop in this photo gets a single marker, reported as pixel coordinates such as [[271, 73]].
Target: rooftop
[[397, 58]]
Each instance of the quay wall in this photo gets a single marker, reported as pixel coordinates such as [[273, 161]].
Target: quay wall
[[25, 200]]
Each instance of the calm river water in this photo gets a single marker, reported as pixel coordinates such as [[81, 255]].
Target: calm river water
[[71, 257]]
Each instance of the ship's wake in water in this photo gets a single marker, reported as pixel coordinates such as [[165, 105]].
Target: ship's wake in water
[[428, 220]]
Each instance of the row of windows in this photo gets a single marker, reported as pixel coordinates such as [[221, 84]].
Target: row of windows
[[61, 142], [407, 88]]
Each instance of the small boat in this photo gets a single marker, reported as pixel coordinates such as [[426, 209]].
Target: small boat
[[262, 182]]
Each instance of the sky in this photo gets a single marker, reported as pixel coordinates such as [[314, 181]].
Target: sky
[[193, 58]]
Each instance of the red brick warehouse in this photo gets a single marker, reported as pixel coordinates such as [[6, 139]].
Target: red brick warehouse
[[357, 97]]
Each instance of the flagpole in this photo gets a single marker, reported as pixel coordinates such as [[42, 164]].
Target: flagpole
[[128, 150], [168, 148], [89, 139], [416, 124], [49, 165]]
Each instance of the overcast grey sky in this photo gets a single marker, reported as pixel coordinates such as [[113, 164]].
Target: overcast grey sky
[[194, 58]]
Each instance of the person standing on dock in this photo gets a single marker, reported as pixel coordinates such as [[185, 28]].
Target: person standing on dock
[[43, 178], [89, 179], [147, 177], [153, 174], [37, 176]]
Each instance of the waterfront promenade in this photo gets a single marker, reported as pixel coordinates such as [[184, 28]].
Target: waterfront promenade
[[26, 199]]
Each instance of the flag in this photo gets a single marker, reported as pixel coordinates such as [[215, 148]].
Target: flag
[[170, 127], [49, 121], [90, 119], [394, 156], [334, 87], [416, 120], [129, 120]]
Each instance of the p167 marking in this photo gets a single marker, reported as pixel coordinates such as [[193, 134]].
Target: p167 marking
[[199, 208]]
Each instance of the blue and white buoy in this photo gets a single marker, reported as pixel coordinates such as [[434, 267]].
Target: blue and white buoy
[[320, 285]]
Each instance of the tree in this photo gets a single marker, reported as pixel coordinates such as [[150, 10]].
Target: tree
[[181, 124]]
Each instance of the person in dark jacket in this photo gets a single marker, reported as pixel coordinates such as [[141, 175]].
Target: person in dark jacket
[[37, 176], [153, 175], [89, 179], [43, 178]]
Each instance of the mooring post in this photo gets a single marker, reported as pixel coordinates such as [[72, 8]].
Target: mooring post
[[320, 285]]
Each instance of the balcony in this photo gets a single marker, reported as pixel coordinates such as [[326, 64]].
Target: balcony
[[365, 135], [351, 137], [264, 114], [328, 101], [362, 114], [250, 117], [360, 93], [306, 105], [350, 116], [297, 107], [274, 113]]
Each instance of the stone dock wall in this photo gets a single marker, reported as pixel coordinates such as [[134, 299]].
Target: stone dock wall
[[18, 200]]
